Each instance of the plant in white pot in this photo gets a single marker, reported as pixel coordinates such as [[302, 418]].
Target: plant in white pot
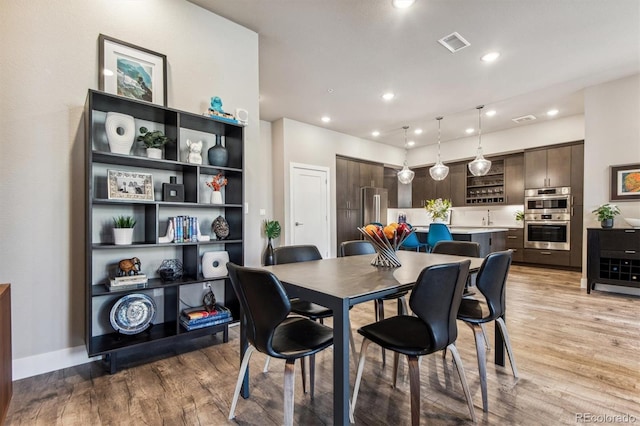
[[606, 213], [123, 230], [153, 141]]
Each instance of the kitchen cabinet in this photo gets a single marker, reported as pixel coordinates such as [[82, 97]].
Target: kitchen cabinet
[[424, 187], [547, 167], [577, 175], [391, 185], [347, 184], [347, 222], [613, 257], [514, 179], [458, 177], [548, 257], [576, 236], [490, 241], [371, 175], [487, 189], [515, 242]]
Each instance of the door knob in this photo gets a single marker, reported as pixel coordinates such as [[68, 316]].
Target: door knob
[[299, 223]]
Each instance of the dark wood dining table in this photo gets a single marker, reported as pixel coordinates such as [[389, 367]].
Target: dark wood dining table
[[339, 283]]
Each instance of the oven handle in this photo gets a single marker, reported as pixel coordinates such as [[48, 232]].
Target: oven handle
[[549, 197], [547, 222]]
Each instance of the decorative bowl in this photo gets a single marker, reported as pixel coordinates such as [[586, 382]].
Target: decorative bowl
[[633, 222], [386, 250]]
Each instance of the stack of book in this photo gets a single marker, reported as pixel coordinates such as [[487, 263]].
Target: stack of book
[[199, 317], [128, 282], [185, 228]]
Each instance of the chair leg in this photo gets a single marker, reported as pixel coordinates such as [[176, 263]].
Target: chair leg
[[303, 371], [507, 343], [396, 361], [289, 384], [352, 342], [266, 365], [463, 379], [482, 363], [356, 386], [487, 344], [243, 370], [380, 317], [312, 374], [414, 387]]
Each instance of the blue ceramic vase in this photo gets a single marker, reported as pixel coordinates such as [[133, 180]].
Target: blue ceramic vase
[[218, 155]]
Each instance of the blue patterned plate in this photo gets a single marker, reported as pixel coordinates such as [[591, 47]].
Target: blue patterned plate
[[133, 313]]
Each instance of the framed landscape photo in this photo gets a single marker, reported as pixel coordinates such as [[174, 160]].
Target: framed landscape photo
[[131, 71], [625, 183], [129, 185]]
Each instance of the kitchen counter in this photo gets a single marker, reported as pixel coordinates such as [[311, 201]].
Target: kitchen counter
[[490, 238], [465, 230]]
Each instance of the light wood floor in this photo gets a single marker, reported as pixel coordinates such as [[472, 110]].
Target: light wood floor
[[576, 353]]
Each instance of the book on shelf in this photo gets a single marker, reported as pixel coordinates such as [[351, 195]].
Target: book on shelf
[[190, 325], [128, 279], [199, 313]]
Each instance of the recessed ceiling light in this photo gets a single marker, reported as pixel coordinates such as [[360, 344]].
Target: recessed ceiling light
[[326, 119], [388, 96], [490, 57], [402, 4], [470, 130], [411, 143], [552, 112], [418, 131], [375, 133], [490, 113]]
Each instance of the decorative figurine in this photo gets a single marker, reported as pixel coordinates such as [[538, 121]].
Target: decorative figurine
[[209, 300], [220, 228], [129, 267], [195, 150], [170, 270], [215, 110], [216, 104]]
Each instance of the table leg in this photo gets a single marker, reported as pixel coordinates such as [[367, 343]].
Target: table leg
[[498, 345], [341, 364]]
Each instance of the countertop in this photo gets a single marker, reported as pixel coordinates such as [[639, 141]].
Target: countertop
[[466, 229]]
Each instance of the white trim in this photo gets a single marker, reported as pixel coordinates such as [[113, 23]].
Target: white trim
[[50, 361], [327, 172]]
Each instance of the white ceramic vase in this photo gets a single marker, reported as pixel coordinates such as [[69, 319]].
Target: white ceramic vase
[[121, 132], [154, 153], [216, 197], [122, 236]]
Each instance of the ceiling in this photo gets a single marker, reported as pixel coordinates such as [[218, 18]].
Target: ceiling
[[337, 57]]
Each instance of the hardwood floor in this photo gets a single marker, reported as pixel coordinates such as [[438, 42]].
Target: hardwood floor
[[577, 354]]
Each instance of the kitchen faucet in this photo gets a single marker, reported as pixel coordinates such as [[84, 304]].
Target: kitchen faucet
[[489, 222]]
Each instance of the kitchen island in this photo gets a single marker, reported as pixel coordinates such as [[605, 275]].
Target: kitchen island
[[490, 238]]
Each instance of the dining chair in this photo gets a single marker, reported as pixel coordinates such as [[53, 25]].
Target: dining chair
[[272, 331], [438, 232], [491, 283], [459, 248], [435, 300], [357, 247], [413, 242]]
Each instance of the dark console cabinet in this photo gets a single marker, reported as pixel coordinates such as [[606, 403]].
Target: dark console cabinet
[[613, 257]]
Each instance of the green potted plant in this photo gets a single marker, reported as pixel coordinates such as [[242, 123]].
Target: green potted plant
[[272, 230], [123, 230], [153, 141], [438, 209], [606, 213], [519, 215]]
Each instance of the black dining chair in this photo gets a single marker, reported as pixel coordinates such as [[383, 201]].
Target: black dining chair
[[435, 300], [459, 248], [272, 331], [357, 247], [491, 282]]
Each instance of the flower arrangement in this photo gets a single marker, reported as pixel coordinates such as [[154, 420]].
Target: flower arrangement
[[606, 211], [438, 208], [217, 182]]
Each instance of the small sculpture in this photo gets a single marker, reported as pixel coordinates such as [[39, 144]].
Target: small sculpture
[[129, 267], [220, 228], [216, 104], [171, 270], [195, 150], [215, 110]]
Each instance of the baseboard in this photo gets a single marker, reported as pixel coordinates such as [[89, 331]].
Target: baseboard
[[49, 361]]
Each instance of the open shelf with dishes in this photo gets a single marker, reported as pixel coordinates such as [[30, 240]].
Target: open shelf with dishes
[[176, 230], [487, 189]]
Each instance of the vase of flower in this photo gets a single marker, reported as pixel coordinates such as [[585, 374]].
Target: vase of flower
[[216, 183], [218, 155], [438, 209], [216, 197]]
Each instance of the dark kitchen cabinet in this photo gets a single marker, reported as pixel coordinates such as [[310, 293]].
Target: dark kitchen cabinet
[[420, 187], [391, 185], [489, 241], [458, 177], [346, 226], [514, 179], [576, 236], [347, 183], [577, 174], [547, 167], [515, 242], [371, 175], [613, 257]]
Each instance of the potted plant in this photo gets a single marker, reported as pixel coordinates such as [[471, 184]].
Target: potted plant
[[153, 141], [272, 230], [438, 209], [519, 215], [606, 213], [123, 230]]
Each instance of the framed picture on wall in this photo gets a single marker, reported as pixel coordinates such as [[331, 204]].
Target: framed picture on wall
[[132, 71], [125, 185], [625, 182]]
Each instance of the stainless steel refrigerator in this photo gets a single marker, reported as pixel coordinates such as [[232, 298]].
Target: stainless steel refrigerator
[[374, 205]]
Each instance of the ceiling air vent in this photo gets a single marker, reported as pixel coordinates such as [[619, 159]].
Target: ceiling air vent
[[454, 42], [524, 119]]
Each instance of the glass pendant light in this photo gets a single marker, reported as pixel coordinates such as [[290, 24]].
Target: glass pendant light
[[439, 171], [405, 175], [480, 166]]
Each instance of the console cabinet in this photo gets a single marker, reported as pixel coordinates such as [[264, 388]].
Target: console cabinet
[[613, 257], [152, 216]]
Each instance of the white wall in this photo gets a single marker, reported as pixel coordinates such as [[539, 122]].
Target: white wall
[[49, 61]]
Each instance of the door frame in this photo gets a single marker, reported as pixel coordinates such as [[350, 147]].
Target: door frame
[[326, 170]]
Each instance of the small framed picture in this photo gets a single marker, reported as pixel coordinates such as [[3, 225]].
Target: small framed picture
[[131, 71], [625, 183], [129, 185]]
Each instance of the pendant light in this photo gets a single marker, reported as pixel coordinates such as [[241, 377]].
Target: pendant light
[[405, 175], [480, 166], [439, 171]]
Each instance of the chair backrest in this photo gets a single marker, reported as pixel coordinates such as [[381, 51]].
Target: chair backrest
[[292, 254], [356, 247], [457, 248], [436, 297], [438, 232], [492, 279], [411, 241], [263, 301]]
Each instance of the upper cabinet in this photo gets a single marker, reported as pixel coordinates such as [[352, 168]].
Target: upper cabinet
[[514, 179], [547, 167], [371, 175], [347, 184], [391, 185]]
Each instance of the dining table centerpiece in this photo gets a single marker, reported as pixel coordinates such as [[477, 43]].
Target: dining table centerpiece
[[386, 240]]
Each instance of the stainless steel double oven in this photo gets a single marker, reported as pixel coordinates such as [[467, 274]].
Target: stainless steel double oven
[[547, 218]]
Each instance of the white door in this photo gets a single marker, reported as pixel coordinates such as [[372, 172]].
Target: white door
[[310, 206]]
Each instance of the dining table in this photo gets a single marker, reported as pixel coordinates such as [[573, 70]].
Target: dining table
[[338, 284]]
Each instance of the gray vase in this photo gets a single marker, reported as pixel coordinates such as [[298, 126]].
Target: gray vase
[[607, 223], [218, 155]]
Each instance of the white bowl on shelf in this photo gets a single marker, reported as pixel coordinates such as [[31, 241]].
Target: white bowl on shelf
[[633, 222]]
